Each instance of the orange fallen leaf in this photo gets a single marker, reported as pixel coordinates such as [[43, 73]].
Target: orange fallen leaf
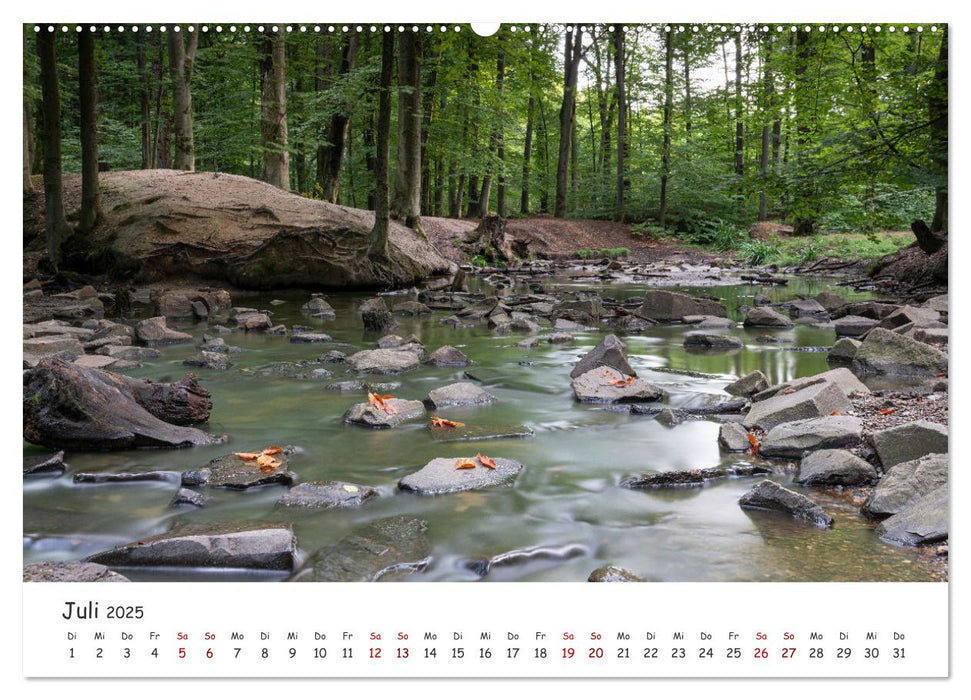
[[790, 390], [754, 442], [887, 411], [836, 412], [445, 423], [942, 374], [463, 463], [267, 464], [622, 382], [486, 461], [272, 450], [247, 456], [379, 403]]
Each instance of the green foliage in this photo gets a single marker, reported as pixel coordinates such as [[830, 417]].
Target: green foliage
[[480, 261], [756, 252]]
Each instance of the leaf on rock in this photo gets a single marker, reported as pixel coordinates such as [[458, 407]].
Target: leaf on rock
[[464, 463], [486, 461], [754, 442], [445, 423], [267, 464], [247, 456], [887, 411]]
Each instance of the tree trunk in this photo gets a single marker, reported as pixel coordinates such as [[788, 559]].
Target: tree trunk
[[330, 155], [804, 223], [273, 97], [527, 151], [666, 148], [181, 60], [406, 202], [937, 111], [88, 105], [28, 183], [619, 69], [739, 125], [433, 48], [144, 100], [500, 137], [687, 91], [378, 249], [571, 62], [769, 97], [55, 224], [161, 150]]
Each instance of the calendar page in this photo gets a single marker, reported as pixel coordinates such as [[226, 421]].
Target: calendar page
[[539, 349]]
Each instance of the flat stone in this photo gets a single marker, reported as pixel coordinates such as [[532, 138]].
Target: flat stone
[[749, 385], [333, 357], [666, 307], [764, 317], [255, 323], [841, 377], [155, 331], [310, 338], [886, 352], [843, 351], [383, 361], [905, 315], [705, 321], [45, 465], [327, 494], [245, 544], [124, 477], [938, 303], [232, 472], [208, 360], [95, 361], [479, 431], [188, 497], [442, 476], [528, 343], [70, 572], [447, 356], [609, 352], [613, 574], [459, 394], [932, 336], [853, 326], [905, 483], [173, 305], [923, 522], [64, 347], [373, 417], [560, 338], [768, 495], [594, 387], [732, 437], [388, 549], [909, 441], [411, 308], [713, 341], [813, 401], [134, 353], [691, 478], [828, 432], [835, 468]]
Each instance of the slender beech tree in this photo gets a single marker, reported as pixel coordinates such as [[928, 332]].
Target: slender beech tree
[[406, 201], [572, 53], [330, 153], [620, 67], [276, 157], [666, 147], [937, 111], [768, 90], [378, 248], [739, 123], [144, 98], [29, 189], [495, 141], [182, 57], [804, 223], [55, 223], [88, 103]]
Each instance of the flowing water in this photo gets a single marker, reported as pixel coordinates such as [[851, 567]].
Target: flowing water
[[568, 493]]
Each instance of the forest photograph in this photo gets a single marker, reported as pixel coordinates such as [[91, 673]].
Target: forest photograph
[[564, 302]]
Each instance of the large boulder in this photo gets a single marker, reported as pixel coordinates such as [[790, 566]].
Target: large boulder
[[609, 352], [67, 406], [245, 544], [373, 417], [791, 439], [813, 401], [768, 495], [923, 522], [749, 385], [909, 441], [459, 394], [607, 385], [173, 305], [906, 482], [388, 549], [155, 331], [667, 307], [853, 326], [764, 317], [383, 361], [700, 340], [835, 468], [886, 352], [443, 475]]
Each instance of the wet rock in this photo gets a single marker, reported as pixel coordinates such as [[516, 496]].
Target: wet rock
[[333, 356], [525, 325], [886, 352], [310, 338], [95, 361], [560, 339], [923, 522], [905, 483], [843, 351], [526, 556], [200, 310], [327, 494], [764, 317], [670, 417], [373, 417], [359, 385], [442, 476], [232, 472], [903, 443], [379, 320], [63, 347], [447, 356], [768, 495], [829, 432], [594, 386], [853, 326], [244, 544], [459, 394], [704, 321], [479, 431], [44, 465], [390, 341], [733, 438], [749, 385], [155, 331], [383, 361], [813, 401], [70, 572], [528, 343], [173, 306], [613, 574], [212, 343], [835, 468], [411, 308], [315, 374], [805, 308], [123, 477], [39, 308], [938, 303], [931, 336], [918, 316], [128, 352], [208, 360], [71, 407], [586, 312], [188, 497], [667, 307], [609, 352], [317, 307], [388, 549], [372, 304], [843, 378], [829, 301], [690, 478], [59, 328], [712, 341]]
